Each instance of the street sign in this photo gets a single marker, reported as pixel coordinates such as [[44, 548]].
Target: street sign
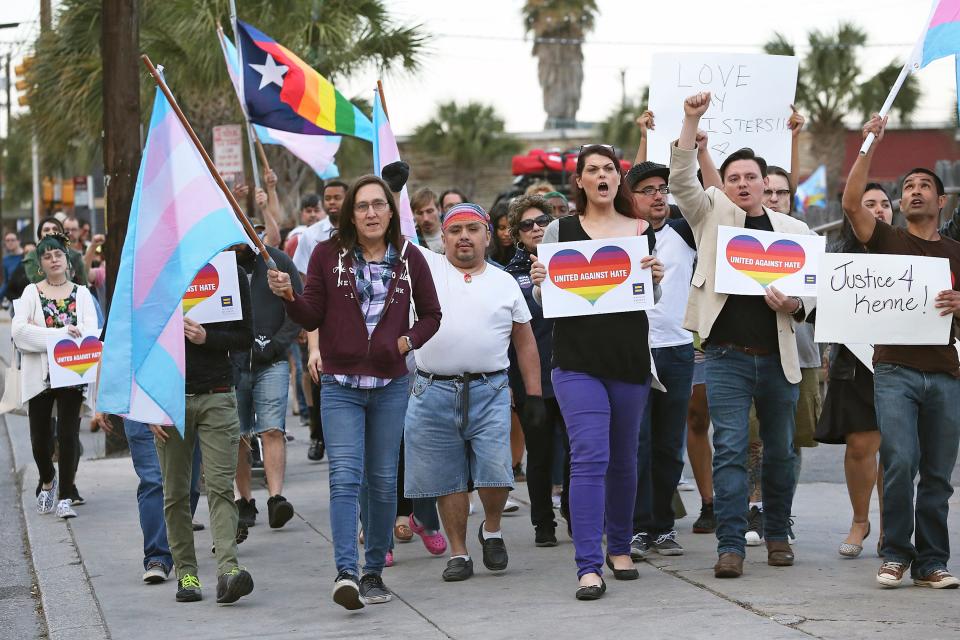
[[228, 151]]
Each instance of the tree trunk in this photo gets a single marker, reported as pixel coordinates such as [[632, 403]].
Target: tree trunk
[[120, 53]]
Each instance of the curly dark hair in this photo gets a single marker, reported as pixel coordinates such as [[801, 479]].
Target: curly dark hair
[[522, 204]]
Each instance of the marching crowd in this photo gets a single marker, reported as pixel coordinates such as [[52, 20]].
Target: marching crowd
[[422, 365]]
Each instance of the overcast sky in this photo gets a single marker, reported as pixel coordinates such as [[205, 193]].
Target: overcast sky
[[478, 50]]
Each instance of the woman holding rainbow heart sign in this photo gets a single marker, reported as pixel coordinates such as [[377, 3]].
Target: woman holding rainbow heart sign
[[601, 384], [53, 306]]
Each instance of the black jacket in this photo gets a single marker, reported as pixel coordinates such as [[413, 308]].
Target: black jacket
[[273, 331], [519, 268], [208, 364]]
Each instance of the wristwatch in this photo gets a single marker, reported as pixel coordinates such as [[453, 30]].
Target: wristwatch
[[799, 305], [409, 343]]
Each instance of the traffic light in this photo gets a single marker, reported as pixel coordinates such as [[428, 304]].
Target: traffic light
[[23, 85]]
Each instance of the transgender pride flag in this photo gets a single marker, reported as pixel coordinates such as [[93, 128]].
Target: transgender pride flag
[[384, 152], [179, 220], [942, 36]]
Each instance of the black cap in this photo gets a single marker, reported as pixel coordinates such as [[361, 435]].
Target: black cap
[[644, 170]]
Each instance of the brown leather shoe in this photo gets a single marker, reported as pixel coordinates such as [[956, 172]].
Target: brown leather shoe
[[729, 565], [779, 553]]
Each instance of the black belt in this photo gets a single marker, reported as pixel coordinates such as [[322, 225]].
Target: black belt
[[465, 392], [750, 351], [463, 377]]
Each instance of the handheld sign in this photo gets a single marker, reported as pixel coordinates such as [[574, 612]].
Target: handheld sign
[[214, 294], [750, 102], [73, 361], [881, 299], [592, 277], [748, 261]]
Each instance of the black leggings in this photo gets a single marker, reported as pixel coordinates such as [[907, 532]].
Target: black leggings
[[40, 408]]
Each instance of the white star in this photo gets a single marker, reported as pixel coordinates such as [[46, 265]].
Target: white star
[[270, 72]]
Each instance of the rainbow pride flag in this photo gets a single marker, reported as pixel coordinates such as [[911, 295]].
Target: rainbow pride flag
[[283, 92], [179, 220], [813, 191]]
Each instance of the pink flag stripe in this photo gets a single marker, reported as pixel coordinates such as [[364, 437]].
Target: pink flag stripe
[[946, 11], [171, 340]]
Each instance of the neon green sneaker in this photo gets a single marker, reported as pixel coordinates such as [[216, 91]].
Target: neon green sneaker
[[188, 589]]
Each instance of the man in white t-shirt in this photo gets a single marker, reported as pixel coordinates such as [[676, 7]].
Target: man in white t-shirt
[[310, 213], [457, 432], [660, 451]]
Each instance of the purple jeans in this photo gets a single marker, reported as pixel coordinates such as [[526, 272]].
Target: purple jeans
[[603, 422]]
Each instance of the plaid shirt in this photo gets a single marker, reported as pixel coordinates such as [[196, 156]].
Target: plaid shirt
[[373, 281]]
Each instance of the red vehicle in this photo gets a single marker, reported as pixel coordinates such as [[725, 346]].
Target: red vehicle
[[549, 163]]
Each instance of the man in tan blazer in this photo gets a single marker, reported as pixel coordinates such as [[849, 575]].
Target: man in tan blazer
[[751, 348]]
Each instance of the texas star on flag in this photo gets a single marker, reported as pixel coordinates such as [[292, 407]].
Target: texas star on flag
[[270, 72]]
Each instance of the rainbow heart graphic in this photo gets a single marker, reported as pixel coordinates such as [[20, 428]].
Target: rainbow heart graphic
[[589, 279], [782, 258], [78, 358], [204, 285]]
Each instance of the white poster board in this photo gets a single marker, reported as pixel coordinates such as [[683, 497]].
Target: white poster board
[[214, 294], [749, 260], [73, 361], [750, 104], [228, 151], [881, 299], [592, 277]]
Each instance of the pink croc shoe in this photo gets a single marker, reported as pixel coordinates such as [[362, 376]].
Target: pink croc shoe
[[436, 544], [389, 559]]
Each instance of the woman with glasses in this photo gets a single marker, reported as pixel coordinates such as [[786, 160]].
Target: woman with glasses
[[528, 217], [601, 379], [361, 286]]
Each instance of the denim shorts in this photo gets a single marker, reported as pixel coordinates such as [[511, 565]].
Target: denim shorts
[[443, 453], [262, 398]]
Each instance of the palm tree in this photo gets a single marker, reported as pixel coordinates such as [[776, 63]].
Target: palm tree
[[470, 137], [831, 87], [558, 28], [336, 37]]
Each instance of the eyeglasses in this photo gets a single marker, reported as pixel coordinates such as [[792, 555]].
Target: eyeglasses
[[781, 193], [379, 206], [591, 146], [651, 191], [540, 221]]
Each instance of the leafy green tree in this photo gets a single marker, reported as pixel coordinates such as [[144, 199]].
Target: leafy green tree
[[831, 87], [620, 127], [558, 28], [336, 37], [470, 137]]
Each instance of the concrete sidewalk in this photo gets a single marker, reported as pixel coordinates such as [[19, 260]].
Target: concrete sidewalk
[[89, 571]]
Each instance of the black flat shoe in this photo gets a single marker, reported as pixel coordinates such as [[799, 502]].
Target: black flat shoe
[[458, 570], [622, 574], [593, 592]]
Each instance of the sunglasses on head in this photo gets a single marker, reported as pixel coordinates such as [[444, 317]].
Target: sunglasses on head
[[590, 147], [541, 221]]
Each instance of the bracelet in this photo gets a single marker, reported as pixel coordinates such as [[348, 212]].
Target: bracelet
[[799, 305]]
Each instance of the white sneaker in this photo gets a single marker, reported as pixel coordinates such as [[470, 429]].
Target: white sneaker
[[556, 502], [511, 506], [685, 485], [65, 509], [155, 573]]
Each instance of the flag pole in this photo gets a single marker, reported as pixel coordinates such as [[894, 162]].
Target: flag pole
[[383, 100], [251, 136], [212, 168], [888, 103]]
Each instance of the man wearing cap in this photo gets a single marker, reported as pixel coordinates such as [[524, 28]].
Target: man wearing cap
[[458, 419], [660, 451], [751, 348], [262, 374]]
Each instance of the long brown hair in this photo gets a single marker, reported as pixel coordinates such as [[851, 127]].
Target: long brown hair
[[622, 201], [347, 232]]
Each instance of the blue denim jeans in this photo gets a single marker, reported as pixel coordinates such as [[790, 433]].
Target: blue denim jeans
[[920, 432], [734, 380], [662, 436], [143, 452], [362, 429], [262, 398], [297, 381]]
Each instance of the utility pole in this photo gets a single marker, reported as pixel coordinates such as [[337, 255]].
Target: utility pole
[[623, 88]]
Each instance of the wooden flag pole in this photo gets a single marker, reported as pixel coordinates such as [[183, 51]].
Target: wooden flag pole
[[383, 100], [241, 217]]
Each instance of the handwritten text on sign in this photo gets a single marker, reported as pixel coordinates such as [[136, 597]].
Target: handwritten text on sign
[[595, 276], [73, 361], [750, 102], [749, 260], [881, 299]]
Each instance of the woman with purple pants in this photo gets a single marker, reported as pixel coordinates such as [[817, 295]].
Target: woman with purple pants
[[601, 378]]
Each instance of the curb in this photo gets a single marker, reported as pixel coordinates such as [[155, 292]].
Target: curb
[[70, 606]]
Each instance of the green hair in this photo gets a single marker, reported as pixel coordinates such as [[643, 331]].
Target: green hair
[[51, 242]]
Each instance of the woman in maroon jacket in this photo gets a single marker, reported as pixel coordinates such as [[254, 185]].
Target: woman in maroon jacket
[[358, 293]]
